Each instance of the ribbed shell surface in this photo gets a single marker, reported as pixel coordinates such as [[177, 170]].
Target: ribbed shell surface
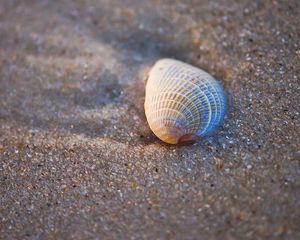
[[182, 100]]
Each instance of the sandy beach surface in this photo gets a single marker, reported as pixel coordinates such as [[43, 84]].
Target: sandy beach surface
[[77, 158]]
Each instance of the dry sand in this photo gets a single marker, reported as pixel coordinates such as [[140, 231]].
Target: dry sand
[[77, 159]]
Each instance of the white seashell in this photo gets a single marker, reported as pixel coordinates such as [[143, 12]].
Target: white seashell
[[182, 101]]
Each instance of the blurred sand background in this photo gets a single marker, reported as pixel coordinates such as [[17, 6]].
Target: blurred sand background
[[77, 159]]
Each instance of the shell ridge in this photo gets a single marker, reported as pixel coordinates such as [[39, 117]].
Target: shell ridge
[[194, 86], [180, 94], [167, 116], [183, 107]]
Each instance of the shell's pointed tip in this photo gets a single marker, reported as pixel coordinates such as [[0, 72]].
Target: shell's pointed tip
[[179, 138], [170, 138], [171, 141], [167, 133], [187, 138]]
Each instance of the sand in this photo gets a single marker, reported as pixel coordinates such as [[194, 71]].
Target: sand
[[77, 158]]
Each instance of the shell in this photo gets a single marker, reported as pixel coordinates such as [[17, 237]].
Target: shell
[[182, 101]]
